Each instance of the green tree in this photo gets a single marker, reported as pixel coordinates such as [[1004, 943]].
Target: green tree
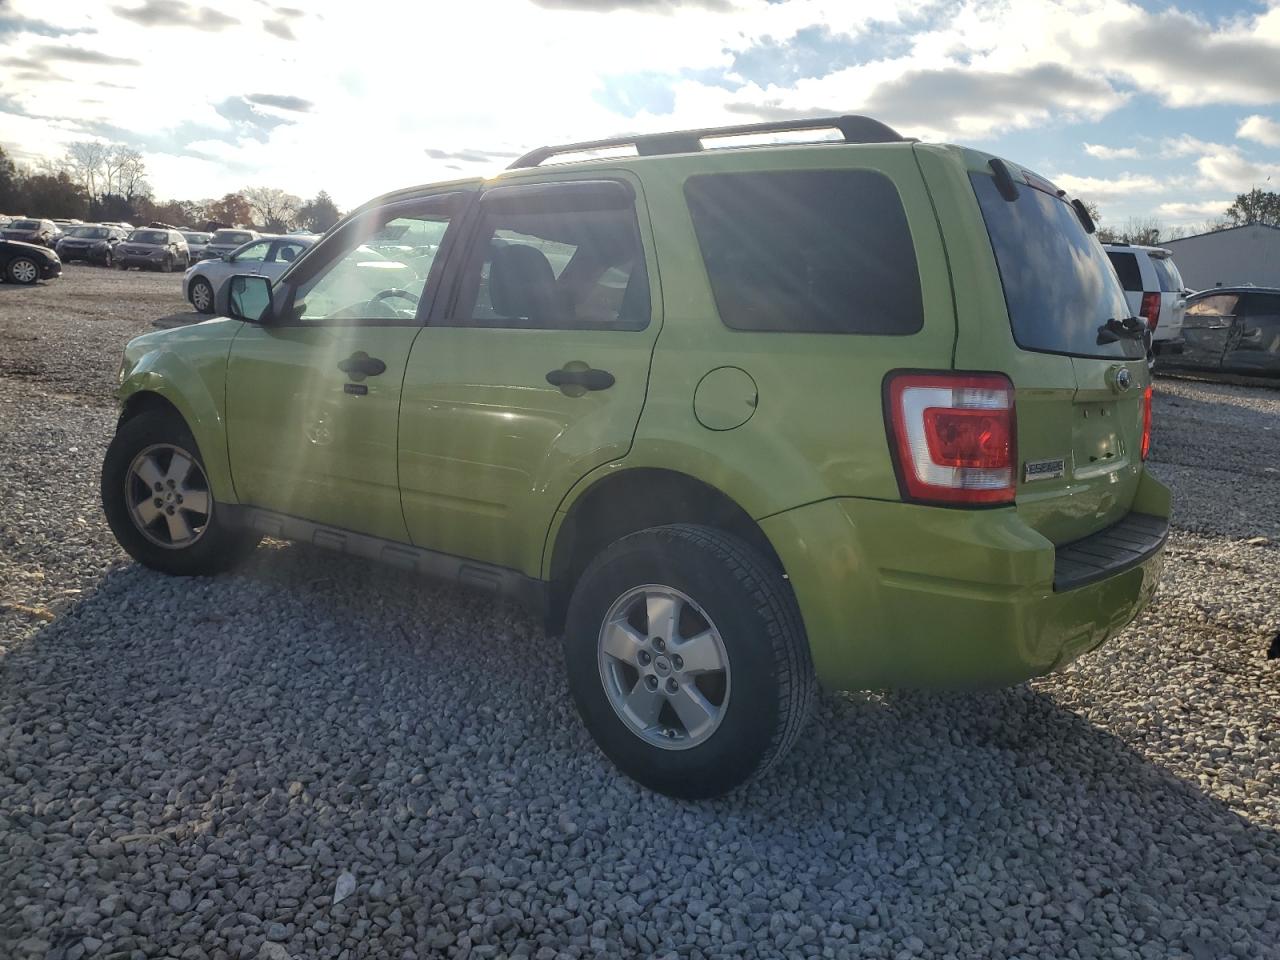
[[1256, 206], [52, 195], [319, 214]]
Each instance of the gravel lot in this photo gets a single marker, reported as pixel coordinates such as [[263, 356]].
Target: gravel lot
[[193, 768]]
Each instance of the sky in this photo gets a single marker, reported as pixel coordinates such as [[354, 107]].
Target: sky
[[1149, 109]]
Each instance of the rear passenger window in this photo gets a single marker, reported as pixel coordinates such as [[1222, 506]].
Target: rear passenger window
[[557, 256], [807, 251], [1126, 265]]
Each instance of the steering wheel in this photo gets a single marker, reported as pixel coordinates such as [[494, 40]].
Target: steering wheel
[[396, 292]]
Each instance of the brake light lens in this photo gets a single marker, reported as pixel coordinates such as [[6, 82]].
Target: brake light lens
[[1146, 422], [1150, 310], [953, 436]]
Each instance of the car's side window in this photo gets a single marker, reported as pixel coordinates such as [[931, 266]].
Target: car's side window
[[1126, 265], [286, 251], [563, 255], [254, 254], [386, 264], [1220, 305]]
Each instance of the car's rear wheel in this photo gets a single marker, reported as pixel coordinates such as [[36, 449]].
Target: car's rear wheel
[[158, 503], [201, 294], [23, 270], [688, 660]]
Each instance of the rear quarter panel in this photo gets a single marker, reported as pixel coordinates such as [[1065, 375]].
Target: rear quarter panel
[[817, 429]]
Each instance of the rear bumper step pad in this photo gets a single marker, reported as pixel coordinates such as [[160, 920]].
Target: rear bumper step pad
[[1109, 551]]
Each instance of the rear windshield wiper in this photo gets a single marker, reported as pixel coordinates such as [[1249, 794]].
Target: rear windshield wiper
[[1113, 330]]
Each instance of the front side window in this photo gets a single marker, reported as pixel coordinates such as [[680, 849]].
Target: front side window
[[254, 253], [559, 256], [807, 251], [387, 266]]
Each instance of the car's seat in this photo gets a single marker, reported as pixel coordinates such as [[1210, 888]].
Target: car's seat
[[523, 285]]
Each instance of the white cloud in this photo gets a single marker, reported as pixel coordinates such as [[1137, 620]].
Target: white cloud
[[1197, 210], [1111, 153], [1093, 188], [1259, 128]]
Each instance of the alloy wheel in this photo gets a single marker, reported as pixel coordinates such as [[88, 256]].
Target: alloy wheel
[[168, 498], [664, 667], [24, 270], [202, 296]]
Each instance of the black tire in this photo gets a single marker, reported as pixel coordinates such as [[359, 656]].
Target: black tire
[[23, 270], [219, 546], [108, 259], [166, 265], [122, 265], [207, 287], [771, 680]]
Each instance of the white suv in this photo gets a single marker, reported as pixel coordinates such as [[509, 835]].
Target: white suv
[[1154, 289]]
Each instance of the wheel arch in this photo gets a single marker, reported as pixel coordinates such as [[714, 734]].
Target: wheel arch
[[156, 384], [630, 500]]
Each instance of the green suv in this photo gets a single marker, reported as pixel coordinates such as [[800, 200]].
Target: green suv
[[862, 412]]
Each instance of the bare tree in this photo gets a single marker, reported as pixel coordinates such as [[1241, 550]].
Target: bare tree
[[85, 162], [272, 207], [131, 173]]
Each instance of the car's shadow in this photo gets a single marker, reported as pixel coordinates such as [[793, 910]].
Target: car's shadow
[[310, 698]]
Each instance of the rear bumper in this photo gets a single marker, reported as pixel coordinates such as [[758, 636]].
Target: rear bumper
[[896, 594]]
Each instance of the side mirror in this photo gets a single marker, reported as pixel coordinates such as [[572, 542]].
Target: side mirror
[[249, 298]]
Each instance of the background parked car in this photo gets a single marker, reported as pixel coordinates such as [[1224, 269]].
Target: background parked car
[[30, 230], [1233, 328], [204, 284], [94, 242], [27, 262], [197, 240], [1154, 290], [155, 249], [228, 241]]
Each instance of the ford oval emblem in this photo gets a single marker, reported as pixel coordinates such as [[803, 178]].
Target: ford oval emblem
[[1124, 380]]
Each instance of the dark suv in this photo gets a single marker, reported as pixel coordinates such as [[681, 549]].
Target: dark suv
[[90, 241], [155, 249], [43, 232]]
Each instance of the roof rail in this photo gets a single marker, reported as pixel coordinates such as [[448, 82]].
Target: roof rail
[[855, 129]]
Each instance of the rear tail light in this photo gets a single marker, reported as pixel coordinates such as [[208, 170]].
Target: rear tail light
[[1150, 310], [953, 436], [1146, 422]]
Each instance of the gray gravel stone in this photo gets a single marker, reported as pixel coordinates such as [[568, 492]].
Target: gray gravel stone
[[258, 743]]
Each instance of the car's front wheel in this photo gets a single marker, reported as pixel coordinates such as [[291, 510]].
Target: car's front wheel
[[23, 270], [688, 660], [156, 496], [201, 294]]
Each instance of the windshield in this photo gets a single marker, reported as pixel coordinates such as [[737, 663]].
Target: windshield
[[1059, 286], [149, 236], [230, 237], [89, 233], [1167, 274], [197, 237], [24, 224]]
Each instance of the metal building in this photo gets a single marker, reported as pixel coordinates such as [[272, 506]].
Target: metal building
[[1226, 258]]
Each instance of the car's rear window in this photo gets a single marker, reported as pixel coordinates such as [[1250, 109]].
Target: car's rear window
[[807, 251], [1058, 285], [1127, 269], [1167, 274], [231, 236]]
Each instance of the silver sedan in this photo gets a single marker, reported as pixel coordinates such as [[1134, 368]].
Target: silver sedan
[[266, 256]]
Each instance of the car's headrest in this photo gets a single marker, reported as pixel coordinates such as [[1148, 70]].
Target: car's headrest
[[522, 283]]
